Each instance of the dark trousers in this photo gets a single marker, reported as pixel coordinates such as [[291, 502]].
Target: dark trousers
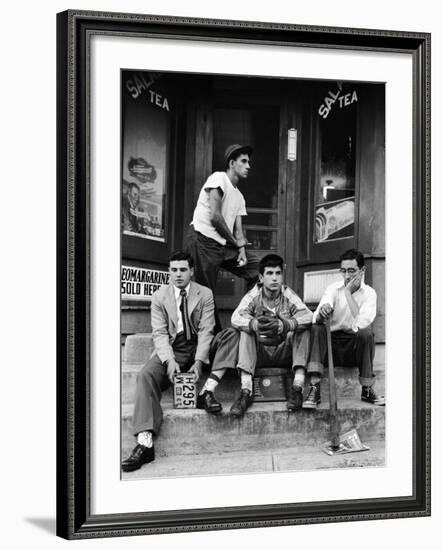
[[152, 381], [209, 256], [349, 350], [224, 349]]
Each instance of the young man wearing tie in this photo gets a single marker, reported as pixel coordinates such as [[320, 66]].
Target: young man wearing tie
[[182, 328]]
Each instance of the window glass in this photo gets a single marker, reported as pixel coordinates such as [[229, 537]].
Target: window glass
[[335, 187], [145, 155]]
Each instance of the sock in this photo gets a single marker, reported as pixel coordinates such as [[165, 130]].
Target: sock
[[315, 379], [299, 378], [145, 439], [212, 381], [246, 381]]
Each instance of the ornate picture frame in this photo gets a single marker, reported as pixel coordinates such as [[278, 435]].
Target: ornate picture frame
[[76, 518]]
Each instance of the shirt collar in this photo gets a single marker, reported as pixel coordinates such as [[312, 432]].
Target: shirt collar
[[178, 291]]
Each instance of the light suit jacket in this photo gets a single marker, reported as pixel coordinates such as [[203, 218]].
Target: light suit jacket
[[164, 317]]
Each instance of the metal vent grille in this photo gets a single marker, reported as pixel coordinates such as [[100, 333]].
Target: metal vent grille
[[315, 283]]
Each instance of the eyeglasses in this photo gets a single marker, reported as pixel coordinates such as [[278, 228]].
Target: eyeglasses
[[350, 271]]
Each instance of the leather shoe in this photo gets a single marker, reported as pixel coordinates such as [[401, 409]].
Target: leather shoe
[[208, 402], [139, 456], [294, 402], [243, 402]]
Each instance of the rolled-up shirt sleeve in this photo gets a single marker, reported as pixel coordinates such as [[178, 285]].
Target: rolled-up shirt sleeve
[[327, 298], [367, 310]]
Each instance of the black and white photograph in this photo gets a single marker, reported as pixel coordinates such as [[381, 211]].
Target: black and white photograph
[[221, 308], [243, 274], [252, 274]]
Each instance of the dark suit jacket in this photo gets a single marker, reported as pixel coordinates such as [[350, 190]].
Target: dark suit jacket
[[164, 316]]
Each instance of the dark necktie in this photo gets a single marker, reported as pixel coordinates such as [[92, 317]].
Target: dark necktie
[[185, 315]]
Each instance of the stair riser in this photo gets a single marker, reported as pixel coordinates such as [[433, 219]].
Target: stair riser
[[197, 432], [347, 385], [139, 347]]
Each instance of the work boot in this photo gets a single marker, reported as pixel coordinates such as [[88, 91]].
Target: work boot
[[243, 402], [294, 401], [369, 395], [313, 398]]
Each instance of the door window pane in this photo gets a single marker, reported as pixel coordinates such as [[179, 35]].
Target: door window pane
[[257, 126]]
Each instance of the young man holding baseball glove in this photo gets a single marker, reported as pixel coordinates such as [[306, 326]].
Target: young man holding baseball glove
[[270, 328]]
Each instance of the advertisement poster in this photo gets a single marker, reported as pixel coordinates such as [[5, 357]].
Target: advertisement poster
[[146, 132], [335, 220]]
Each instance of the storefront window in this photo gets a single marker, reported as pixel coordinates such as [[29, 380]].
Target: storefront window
[[146, 138], [335, 187]]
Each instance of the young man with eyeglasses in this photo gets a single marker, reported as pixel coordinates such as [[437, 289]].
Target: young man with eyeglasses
[[350, 307]]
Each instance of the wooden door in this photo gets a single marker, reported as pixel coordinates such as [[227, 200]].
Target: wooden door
[[256, 123]]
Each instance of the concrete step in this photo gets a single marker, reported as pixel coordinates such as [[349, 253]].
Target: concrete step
[[264, 426], [138, 348], [300, 458], [347, 382]]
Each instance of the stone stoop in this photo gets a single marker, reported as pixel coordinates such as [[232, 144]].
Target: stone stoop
[[139, 348], [346, 379], [264, 426], [267, 438]]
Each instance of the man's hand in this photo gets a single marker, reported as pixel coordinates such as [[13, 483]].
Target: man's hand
[[196, 368], [354, 284], [172, 368], [325, 311], [241, 260], [269, 326]]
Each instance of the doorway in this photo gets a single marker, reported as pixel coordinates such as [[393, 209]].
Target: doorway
[[257, 125]]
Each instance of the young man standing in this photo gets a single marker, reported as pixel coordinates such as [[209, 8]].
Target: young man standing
[[350, 308], [182, 329], [216, 238], [270, 328]]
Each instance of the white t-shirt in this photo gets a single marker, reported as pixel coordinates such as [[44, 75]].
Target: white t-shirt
[[232, 205]]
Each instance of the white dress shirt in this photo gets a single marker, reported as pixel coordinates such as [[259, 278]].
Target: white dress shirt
[[180, 326], [342, 318]]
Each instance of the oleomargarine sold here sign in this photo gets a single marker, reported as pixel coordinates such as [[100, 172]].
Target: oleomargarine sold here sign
[[138, 283]]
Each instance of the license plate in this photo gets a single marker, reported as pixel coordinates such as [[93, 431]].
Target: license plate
[[184, 391]]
